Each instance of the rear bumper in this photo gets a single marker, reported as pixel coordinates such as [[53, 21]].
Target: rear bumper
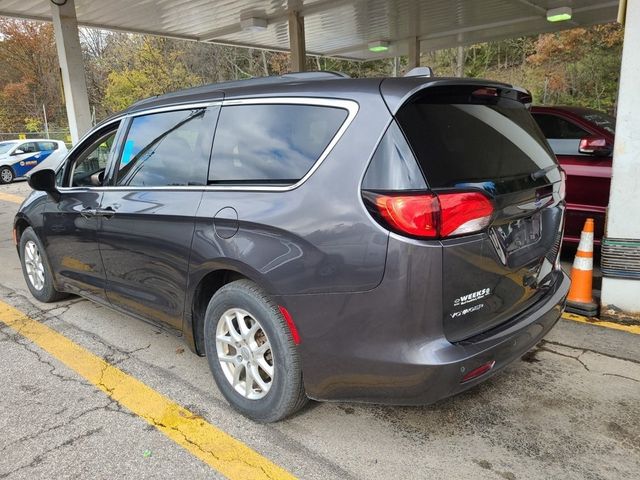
[[410, 367]]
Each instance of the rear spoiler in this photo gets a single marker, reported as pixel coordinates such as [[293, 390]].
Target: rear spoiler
[[396, 91]]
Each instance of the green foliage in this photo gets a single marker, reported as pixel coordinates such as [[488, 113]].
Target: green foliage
[[156, 69], [33, 124], [575, 67]]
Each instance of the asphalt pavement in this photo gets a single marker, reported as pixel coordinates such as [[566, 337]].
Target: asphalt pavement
[[569, 409]]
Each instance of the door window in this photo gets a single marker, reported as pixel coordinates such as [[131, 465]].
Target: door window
[[47, 146], [89, 165], [559, 128], [271, 144], [563, 136], [29, 147], [167, 149]]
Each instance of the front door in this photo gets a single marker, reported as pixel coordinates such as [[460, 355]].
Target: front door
[[154, 192], [71, 224]]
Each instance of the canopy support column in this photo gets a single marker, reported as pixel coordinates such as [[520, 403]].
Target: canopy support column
[[413, 52], [621, 245], [296, 41], [65, 25]]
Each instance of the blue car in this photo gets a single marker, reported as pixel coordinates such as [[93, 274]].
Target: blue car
[[17, 157]]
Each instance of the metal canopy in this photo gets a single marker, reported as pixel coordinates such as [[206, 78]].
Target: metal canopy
[[335, 28]]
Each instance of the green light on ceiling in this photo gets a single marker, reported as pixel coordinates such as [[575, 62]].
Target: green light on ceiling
[[561, 14], [379, 46]]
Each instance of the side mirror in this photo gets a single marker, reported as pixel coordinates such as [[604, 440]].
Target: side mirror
[[17, 151], [45, 181], [595, 146]]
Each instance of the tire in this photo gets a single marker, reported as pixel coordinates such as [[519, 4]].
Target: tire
[[36, 269], [6, 175], [280, 392]]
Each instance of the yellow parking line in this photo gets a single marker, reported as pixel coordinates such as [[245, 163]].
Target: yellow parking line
[[229, 456], [10, 197], [635, 329]]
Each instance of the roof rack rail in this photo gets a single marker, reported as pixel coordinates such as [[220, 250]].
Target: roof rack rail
[[320, 74], [274, 79]]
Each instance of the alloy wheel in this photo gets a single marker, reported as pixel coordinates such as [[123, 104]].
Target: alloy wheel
[[244, 353], [33, 264]]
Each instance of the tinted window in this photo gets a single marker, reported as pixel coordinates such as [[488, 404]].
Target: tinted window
[[47, 146], [92, 160], [170, 148], [6, 146], [558, 128], [30, 147], [271, 143], [601, 119], [393, 166], [479, 141]]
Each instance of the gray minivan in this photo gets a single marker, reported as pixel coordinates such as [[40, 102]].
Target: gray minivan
[[380, 240]]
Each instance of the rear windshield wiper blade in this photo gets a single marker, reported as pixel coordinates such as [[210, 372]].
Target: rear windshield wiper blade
[[542, 172]]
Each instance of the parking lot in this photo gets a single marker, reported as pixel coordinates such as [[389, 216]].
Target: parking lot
[[568, 409]]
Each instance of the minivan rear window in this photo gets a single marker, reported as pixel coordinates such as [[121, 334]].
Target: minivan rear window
[[462, 139], [271, 143]]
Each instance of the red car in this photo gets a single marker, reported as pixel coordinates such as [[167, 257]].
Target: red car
[[582, 139]]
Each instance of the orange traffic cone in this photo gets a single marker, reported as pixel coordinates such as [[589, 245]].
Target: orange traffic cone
[[580, 298]]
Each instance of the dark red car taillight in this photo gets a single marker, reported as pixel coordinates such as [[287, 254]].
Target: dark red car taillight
[[430, 215]]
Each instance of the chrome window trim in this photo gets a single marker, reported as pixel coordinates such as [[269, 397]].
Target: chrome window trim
[[351, 106]]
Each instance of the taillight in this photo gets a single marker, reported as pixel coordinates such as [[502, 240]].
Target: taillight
[[429, 215], [412, 214], [464, 213]]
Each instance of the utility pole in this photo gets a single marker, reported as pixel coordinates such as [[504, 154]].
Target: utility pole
[[46, 123]]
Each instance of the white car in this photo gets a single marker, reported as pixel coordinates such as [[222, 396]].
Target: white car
[[17, 157]]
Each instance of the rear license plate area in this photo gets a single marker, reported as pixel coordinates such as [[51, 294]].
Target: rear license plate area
[[520, 233]]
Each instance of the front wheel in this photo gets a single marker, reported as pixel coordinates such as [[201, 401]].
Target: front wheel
[[6, 175], [251, 353], [35, 268]]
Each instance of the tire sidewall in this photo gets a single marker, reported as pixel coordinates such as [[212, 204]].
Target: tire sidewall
[[48, 292], [286, 372]]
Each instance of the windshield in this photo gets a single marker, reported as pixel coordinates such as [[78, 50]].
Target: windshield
[[600, 119], [6, 146]]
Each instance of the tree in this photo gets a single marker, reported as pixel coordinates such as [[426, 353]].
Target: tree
[[30, 77]]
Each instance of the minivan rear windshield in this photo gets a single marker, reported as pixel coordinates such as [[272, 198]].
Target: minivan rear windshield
[[461, 138]]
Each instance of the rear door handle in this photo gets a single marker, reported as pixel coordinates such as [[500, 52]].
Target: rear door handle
[[105, 212], [97, 212], [88, 212]]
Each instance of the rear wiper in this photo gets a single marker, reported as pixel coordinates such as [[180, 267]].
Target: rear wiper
[[542, 172]]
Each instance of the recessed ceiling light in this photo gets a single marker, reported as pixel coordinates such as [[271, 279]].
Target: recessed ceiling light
[[253, 24], [378, 46], [559, 14]]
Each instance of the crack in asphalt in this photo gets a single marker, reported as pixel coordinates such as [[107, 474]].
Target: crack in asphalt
[[39, 458], [621, 376], [597, 352], [158, 424], [545, 349]]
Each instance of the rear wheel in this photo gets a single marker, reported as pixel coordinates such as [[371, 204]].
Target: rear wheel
[[251, 353], [36, 270], [6, 175]]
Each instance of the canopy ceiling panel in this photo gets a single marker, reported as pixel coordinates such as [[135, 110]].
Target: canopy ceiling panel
[[338, 28]]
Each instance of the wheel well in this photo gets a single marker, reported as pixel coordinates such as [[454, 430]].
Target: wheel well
[[21, 226], [207, 287]]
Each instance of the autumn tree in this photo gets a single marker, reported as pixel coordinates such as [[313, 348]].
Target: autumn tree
[[30, 77]]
